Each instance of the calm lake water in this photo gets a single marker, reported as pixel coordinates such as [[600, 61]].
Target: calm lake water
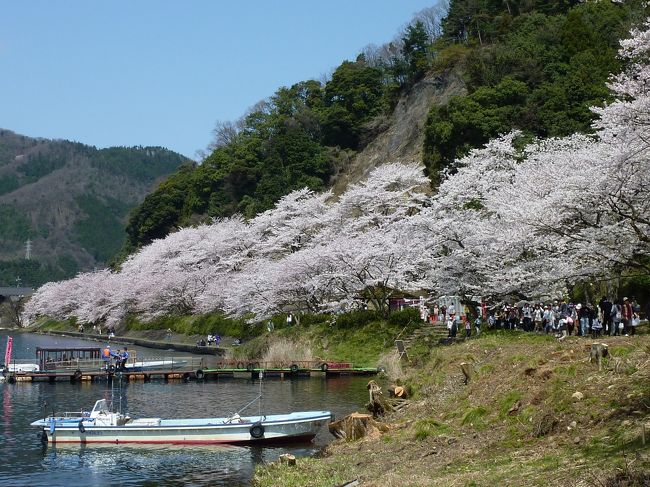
[[26, 463]]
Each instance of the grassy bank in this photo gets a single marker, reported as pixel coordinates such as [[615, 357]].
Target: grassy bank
[[363, 338], [517, 422]]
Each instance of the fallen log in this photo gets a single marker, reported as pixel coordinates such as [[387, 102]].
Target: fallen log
[[397, 391]]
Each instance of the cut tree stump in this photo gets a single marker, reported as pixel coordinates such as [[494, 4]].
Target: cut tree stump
[[467, 371], [287, 459], [598, 351], [357, 425], [397, 391]]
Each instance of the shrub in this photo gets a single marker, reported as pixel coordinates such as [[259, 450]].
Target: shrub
[[356, 319]]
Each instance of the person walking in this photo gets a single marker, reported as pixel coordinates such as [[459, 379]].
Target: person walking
[[606, 308], [616, 319], [626, 315], [538, 317]]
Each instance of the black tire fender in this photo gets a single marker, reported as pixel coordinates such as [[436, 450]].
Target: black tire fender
[[111, 369], [11, 379], [257, 430], [324, 367], [294, 368], [200, 374], [240, 365], [250, 367], [77, 374]]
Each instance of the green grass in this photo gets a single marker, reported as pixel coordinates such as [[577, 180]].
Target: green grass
[[475, 417], [429, 427], [316, 474]]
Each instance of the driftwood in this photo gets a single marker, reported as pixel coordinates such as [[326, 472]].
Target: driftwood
[[357, 425], [598, 351]]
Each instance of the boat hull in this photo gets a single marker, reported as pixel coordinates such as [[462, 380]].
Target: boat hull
[[281, 428]]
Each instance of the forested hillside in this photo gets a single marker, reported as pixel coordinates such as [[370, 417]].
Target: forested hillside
[[531, 65], [70, 201]]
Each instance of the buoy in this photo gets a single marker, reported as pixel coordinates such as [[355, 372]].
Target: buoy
[[324, 367], [294, 368], [200, 374]]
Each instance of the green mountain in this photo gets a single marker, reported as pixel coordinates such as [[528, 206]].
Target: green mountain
[[70, 201], [446, 85]]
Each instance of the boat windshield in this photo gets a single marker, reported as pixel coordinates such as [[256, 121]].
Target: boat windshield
[[101, 406]]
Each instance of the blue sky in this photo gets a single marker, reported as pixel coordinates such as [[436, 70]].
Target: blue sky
[[162, 72]]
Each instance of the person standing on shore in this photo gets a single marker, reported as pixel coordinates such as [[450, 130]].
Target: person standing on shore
[[606, 309], [626, 314]]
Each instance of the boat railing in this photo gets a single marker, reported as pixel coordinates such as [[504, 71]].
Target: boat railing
[[182, 363]]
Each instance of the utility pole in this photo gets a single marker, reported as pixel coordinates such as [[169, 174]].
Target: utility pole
[[28, 249]]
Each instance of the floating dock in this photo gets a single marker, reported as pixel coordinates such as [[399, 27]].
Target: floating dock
[[246, 371]]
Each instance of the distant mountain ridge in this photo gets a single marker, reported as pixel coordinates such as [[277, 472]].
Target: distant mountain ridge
[[71, 201]]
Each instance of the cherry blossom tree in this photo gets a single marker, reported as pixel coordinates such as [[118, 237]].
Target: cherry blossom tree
[[507, 220]]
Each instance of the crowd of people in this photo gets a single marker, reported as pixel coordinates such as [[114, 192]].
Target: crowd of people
[[562, 318]]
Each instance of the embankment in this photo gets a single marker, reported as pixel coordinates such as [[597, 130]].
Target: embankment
[[142, 342], [536, 411]]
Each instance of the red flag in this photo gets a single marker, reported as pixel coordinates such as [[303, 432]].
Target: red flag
[[10, 342]]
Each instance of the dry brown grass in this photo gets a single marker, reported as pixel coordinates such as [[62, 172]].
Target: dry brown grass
[[282, 350], [392, 365]]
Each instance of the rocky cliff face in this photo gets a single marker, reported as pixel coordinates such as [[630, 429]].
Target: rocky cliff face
[[403, 136]]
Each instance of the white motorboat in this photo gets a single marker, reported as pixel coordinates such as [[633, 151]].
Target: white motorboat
[[17, 367], [144, 365], [102, 425]]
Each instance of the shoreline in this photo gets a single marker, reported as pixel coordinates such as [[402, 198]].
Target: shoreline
[[141, 342]]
